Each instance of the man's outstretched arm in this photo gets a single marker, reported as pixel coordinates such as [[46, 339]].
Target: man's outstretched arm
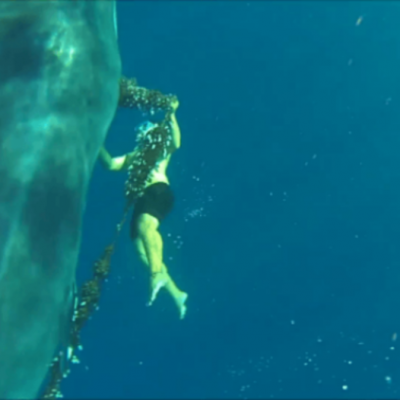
[[176, 131], [115, 163]]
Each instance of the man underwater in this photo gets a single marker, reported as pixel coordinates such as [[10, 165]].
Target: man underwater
[[154, 204]]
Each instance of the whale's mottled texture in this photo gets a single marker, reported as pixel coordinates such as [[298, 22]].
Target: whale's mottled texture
[[59, 74]]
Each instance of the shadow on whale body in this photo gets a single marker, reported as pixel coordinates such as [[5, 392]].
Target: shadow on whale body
[[59, 74]]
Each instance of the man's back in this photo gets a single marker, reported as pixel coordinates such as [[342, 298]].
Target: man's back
[[159, 173]]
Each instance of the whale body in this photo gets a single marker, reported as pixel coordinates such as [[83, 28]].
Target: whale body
[[59, 86]]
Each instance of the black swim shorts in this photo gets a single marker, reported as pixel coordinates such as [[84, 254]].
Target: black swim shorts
[[157, 200]]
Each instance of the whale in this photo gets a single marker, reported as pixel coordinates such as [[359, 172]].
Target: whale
[[59, 86]]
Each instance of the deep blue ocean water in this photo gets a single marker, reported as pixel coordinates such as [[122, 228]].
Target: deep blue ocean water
[[287, 222]]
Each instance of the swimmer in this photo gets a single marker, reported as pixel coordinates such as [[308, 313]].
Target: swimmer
[[150, 209]]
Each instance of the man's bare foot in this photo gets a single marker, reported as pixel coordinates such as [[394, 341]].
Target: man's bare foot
[[157, 281], [180, 301]]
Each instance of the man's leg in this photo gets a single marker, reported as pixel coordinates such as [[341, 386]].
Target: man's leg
[[153, 246], [177, 294], [152, 242], [149, 245]]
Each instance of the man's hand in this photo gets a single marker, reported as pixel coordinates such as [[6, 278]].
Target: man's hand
[[174, 105]]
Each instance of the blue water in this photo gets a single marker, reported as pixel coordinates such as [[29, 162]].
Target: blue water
[[287, 222]]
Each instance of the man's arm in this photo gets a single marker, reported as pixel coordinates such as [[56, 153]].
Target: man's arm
[[176, 132], [115, 163]]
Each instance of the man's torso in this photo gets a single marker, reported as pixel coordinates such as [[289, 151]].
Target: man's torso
[[159, 173]]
